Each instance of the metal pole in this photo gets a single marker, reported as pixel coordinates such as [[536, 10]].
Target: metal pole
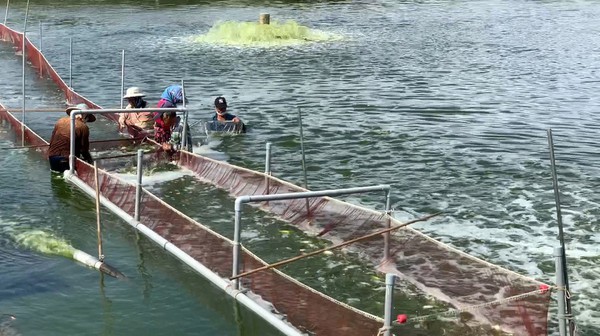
[[122, 77], [72, 144], [98, 226], [268, 167], [386, 237], [24, 52], [184, 141], [303, 158], [138, 186], [70, 62], [560, 295], [236, 244], [6, 14], [560, 223], [302, 147], [268, 159], [390, 279], [41, 37]]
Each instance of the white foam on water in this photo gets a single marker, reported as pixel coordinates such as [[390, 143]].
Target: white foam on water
[[155, 178]]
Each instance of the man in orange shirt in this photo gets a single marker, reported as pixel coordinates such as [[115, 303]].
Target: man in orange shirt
[[58, 153]]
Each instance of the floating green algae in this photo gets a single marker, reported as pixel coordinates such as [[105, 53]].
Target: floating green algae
[[263, 35], [45, 242]]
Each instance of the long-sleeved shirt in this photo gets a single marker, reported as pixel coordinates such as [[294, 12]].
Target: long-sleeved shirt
[[59, 142]]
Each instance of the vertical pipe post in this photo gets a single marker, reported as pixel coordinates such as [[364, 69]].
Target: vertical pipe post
[[268, 167], [386, 237], [268, 159], [560, 224], [24, 52], [560, 295], [70, 62], [303, 157], [184, 142], [138, 186], [122, 77], [6, 14], [98, 226], [72, 144], [41, 37], [390, 279], [236, 244]]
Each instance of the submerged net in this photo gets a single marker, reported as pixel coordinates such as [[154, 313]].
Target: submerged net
[[489, 293]]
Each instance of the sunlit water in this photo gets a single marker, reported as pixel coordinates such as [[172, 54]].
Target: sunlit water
[[448, 102]]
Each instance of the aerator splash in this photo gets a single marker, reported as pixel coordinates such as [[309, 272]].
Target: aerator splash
[[47, 243], [254, 34]]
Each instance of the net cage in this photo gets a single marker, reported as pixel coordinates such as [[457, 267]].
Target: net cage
[[492, 295]]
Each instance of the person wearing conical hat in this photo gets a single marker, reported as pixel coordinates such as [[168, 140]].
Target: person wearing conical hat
[[141, 120], [60, 146]]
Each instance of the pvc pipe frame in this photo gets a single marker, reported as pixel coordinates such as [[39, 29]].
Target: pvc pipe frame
[[184, 144], [239, 201], [74, 113], [221, 283], [390, 279]]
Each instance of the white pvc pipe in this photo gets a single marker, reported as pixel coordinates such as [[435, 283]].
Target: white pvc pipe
[[70, 62], [23, 81], [389, 304], [221, 283], [122, 76], [268, 159], [138, 186], [90, 261], [184, 143], [6, 14]]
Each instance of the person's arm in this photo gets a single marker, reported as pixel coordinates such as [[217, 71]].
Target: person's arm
[[85, 145]]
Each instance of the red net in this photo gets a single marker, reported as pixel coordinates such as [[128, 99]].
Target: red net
[[490, 294]]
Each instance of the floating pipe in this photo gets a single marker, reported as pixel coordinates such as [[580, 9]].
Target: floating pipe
[[221, 283], [90, 261]]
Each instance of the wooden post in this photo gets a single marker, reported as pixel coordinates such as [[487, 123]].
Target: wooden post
[[264, 18]]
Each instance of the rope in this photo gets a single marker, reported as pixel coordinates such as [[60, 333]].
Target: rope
[[382, 330]]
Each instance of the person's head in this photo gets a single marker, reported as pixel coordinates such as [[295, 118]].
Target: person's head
[[86, 117], [168, 118], [174, 94], [133, 95], [220, 105]]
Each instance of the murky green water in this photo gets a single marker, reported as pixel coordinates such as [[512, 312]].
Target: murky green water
[[448, 102]]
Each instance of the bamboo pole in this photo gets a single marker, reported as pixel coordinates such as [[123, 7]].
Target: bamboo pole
[[352, 241], [99, 228]]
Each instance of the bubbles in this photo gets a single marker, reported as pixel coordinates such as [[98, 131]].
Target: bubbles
[[44, 242], [263, 35]]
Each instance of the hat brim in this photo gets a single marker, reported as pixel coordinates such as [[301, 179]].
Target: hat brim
[[134, 95]]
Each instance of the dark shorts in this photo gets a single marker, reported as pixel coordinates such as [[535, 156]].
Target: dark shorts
[[59, 163]]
